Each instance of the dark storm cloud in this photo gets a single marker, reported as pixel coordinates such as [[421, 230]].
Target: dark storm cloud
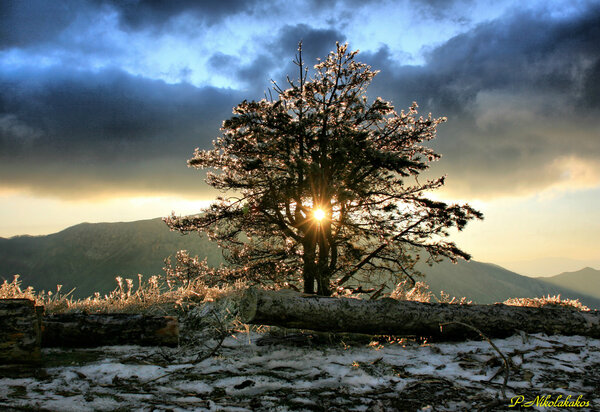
[[256, 74], [138, 14], [443, 9], [283, 50], [275, 61], [521, 95], [23, 23], [72, 133], [524, 53], [316, 43], [223, 62], [60, 130]]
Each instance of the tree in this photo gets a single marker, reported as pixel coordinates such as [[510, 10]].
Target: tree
[[320, 184]]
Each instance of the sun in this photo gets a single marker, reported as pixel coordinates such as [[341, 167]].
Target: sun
[[319, 214]]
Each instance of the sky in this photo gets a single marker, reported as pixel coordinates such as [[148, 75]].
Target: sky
[[103, 101]]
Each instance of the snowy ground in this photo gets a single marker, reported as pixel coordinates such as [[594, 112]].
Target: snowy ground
[[252, 373]]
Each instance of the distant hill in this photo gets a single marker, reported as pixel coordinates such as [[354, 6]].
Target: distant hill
[[586, 281], [489, 283], [89, 256], [549, 266]]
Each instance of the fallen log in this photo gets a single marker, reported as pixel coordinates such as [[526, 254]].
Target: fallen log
[[19, 332], [90, 330], [438, 321]]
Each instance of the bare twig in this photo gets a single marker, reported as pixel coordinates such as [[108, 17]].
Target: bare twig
[[378, 292], [222, 334], [506, 365]]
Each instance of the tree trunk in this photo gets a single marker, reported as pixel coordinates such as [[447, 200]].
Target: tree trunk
[[90, 330], [323, 278], [19, 331], [308, 277], [406, 318], [308, 269]]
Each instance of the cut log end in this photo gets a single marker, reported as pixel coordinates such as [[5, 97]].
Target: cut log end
[[248, 305], [19, 332]]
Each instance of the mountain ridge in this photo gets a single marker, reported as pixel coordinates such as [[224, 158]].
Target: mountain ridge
[[582, 281], [89, 256], [489, 283]]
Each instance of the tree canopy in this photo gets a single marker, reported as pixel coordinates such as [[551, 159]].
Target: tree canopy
[[321, 186]]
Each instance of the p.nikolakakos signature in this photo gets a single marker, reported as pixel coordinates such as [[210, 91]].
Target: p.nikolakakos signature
[[547, 401]]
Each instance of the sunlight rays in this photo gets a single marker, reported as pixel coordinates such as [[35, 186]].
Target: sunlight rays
[[319, 214]]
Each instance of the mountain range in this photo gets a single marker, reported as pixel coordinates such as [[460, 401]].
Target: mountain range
[[88, 257], [489, 283], [584, 281]]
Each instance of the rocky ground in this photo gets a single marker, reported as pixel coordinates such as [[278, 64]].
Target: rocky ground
[[271, 371]]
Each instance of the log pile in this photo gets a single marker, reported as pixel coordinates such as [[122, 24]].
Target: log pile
[[438, 321], [24, 330], [91, 330], [19, 332]]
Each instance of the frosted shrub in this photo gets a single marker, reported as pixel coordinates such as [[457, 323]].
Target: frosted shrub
[[419, 292], [445, 298], [188, 271], [13, 290], [52, 301], [149, 296], [155, 294], [185, 270], [546, 300]]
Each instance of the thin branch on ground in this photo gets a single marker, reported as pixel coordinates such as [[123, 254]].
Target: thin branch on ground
[[506, 364], [222, 334]]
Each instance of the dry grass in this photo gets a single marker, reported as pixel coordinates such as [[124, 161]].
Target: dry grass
[[13, 290], [545, 301], [420, 293], [156, 295], [150, 296]]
